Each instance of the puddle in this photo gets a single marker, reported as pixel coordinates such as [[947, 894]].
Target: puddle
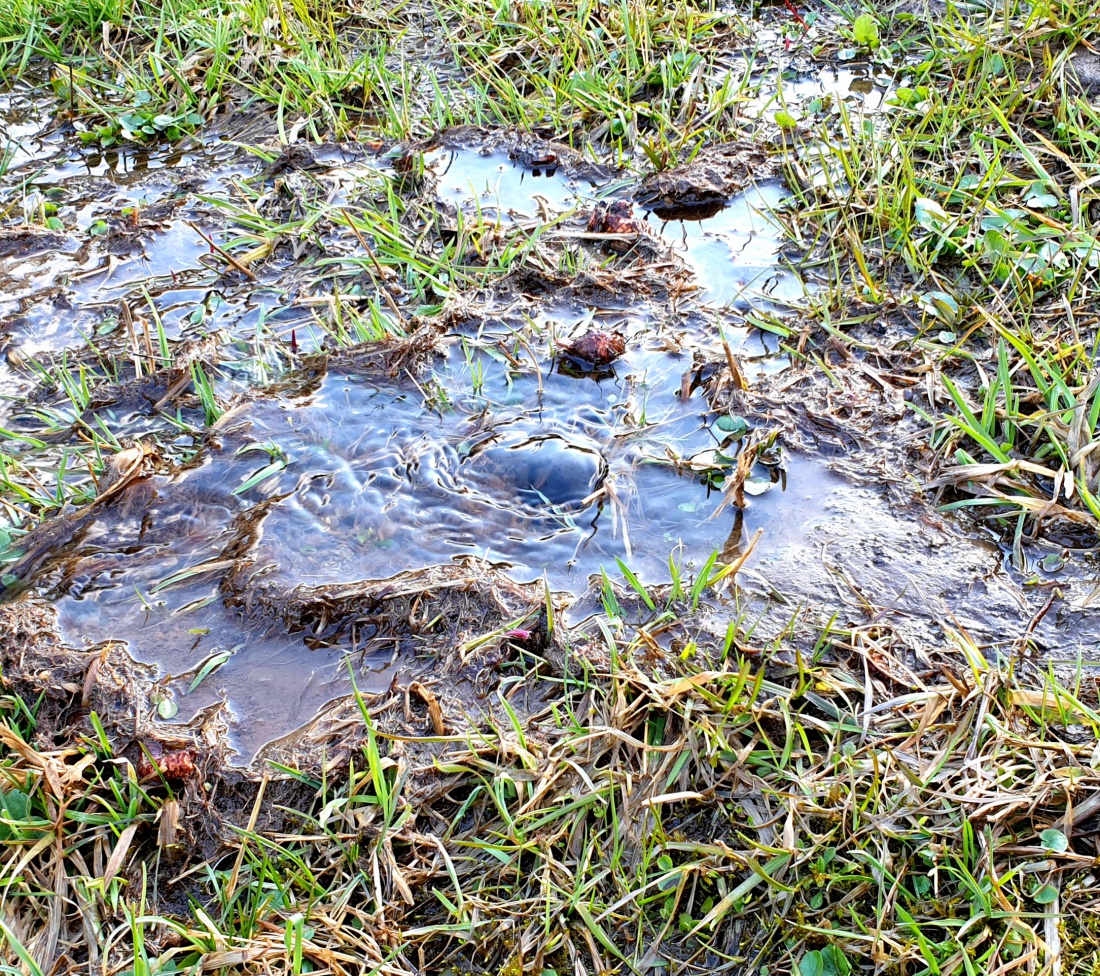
[[860, 85], [733, 253], [367, 483], [472, 180], [863, 87], [57, 296], [123, 233], [25, 129], [117, 584], [374, 485], [732, 250]]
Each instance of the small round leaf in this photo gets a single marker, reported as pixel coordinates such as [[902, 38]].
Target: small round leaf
[[1046, 895], [1054, 840], [732, 424], [1052, 563]]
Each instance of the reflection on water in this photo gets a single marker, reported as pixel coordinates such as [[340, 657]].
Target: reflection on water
[[470, 179], [314, 485], [733, 251]]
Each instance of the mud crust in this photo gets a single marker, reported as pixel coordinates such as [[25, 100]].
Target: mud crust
[[24, 241], [701, 187]]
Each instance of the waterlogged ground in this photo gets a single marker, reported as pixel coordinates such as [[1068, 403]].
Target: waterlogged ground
[[549, 488], [304, 381]]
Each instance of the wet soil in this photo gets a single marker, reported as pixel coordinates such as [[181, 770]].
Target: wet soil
[[703, 186], [1086, 72], [384, 509]]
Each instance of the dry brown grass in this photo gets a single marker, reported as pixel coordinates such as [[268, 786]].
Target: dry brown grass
[[721, 814]]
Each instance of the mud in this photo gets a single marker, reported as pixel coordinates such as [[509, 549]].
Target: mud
[[201, 562], [383, 510], [702, 187], [1084, 73]]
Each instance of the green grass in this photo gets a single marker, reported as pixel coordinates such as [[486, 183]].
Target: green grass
[[187, 60], [625, 76], [664, 807], [962, 212], [622, 74]]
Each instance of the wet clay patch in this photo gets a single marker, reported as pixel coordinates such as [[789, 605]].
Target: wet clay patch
[[878, 552]]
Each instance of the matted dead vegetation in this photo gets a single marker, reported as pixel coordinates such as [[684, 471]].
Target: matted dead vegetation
[[625, 803]]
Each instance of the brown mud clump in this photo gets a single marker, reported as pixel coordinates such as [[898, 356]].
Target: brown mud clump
[[616, 218], [596, 349], [705, 185]]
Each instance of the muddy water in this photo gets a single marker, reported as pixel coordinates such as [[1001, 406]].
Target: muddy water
[[733, 252], [521, 463], [497, 452]]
